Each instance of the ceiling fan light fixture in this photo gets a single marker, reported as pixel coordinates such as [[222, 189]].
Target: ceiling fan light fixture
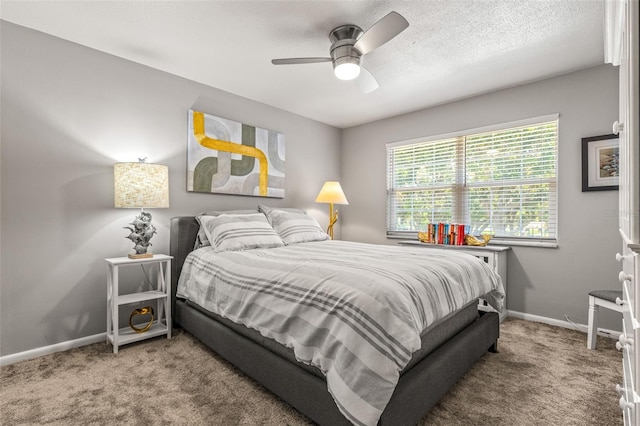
[[346, 68], [347, 71]]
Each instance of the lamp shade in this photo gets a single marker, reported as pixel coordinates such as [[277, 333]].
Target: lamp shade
[[141, 185], [331, 192]]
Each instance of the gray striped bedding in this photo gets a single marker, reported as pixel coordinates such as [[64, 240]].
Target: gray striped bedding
[[354, 310]]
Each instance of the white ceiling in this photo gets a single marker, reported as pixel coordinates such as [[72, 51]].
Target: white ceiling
[[452, 49]]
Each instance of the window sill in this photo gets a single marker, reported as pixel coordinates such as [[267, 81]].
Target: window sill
[[496, 241]]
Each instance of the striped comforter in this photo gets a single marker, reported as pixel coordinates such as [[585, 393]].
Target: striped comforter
[[354, 310]]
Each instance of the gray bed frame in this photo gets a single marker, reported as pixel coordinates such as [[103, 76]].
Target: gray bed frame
[[418, 390]]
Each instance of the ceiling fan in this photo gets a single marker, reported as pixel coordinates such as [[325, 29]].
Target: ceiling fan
[[350, 43]]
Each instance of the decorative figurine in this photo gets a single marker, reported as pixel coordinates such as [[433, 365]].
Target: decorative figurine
[[424, 237], [474, 241], [141, 232]]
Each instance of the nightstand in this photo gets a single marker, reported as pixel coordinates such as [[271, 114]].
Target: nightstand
[[160, 298], [494, 256]]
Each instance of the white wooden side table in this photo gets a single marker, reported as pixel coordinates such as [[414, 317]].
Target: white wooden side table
[[494, 256], [160, 296]]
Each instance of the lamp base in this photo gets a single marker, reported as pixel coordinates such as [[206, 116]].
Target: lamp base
[[141, 256], [333, 218], [141, 231]]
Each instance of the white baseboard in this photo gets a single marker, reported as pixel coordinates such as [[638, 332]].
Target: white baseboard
[[51, 349], [560, 323]]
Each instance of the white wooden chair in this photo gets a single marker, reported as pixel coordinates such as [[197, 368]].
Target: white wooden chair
[[609, 299]]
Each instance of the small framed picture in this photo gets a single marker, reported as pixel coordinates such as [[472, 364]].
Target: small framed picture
[[600, 163]]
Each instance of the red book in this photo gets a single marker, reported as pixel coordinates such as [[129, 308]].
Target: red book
[[461, 235]]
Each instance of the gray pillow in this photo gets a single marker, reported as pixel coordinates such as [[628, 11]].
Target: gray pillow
[[266, 209], [228, 232], [295, 227], [202, 240]]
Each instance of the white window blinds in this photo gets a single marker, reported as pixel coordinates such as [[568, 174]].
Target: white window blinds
[[500, 181]]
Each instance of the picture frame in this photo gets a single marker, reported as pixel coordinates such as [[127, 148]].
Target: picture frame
[[600, 163], [228, 157]]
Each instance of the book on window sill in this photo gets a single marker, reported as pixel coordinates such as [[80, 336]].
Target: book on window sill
[[444, 234]]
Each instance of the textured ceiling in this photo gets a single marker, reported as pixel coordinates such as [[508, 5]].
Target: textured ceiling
[[452, 49]]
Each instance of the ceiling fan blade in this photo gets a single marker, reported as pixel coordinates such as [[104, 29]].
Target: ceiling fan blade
[[293, 61], [381, 32], [366, 81]]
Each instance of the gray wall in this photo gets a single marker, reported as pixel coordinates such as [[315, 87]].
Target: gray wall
[[542, 281], [68, 114]]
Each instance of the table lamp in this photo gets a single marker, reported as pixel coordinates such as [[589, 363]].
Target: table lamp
[[332, 193], [141, 185]]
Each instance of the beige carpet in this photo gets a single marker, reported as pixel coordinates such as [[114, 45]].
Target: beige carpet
[[543, 375]]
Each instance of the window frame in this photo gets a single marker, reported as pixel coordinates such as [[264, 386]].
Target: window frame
[[506, 240]]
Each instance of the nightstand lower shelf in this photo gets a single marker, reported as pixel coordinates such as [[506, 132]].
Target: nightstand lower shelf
[[127, 335]]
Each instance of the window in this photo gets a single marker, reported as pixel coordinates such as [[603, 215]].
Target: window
[[499, 180]]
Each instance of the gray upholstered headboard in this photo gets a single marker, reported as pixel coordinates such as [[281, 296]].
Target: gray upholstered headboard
[[184, 230]]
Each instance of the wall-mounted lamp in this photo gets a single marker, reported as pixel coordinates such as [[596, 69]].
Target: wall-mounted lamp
[[141, 185], [332, 193]]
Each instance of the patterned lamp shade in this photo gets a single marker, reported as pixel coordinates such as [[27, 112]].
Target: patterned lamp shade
[[141, 185]]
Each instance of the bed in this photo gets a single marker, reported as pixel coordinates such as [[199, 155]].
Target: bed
[[446, 349]]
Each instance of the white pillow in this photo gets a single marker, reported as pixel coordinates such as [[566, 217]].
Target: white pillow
[[239, 232], [201, 239], [295, 227]]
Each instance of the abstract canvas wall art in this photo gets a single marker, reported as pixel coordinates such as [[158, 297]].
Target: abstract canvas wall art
[[227, 157]]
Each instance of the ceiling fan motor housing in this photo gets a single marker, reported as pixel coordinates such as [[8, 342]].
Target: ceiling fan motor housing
[[343, 39]]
